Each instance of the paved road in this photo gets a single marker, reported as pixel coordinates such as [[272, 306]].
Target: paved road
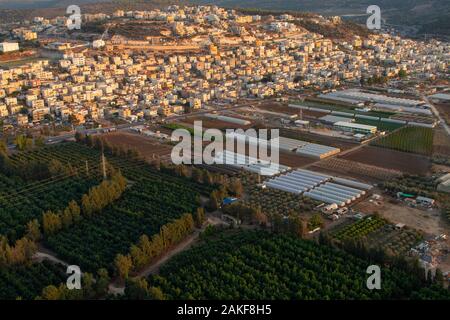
[[127, 126], [115, 288], [437, 114], [39, 256]]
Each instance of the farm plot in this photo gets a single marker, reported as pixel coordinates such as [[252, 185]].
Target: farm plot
[[381, 125], [253, 265], [393, 241], [408, 139], [358, 169], [360, 228], [146, 147], [27, 281], [274, 201], [441, 144], [390, 159], [21, 202], [152, 201]]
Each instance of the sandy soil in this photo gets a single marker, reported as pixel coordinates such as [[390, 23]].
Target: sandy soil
[[430, 222]]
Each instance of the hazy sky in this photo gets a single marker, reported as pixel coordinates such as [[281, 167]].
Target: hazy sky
[[24, 4]]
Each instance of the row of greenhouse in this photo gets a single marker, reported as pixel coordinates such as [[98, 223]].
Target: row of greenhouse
[[320, 187], [303, 148], [251, 164]]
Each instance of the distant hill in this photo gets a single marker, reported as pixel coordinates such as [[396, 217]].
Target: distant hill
[[36, 4], [430, 16], [53, 8]]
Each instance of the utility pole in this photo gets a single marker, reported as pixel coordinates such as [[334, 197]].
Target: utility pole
[[103, 166], [103, 161], [87, 168]]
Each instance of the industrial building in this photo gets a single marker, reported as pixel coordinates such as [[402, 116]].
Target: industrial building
[[320, 187], [355, 127], [9, 47], [332, 119]]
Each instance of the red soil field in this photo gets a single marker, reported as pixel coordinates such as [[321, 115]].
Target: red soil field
[[147, 147], [391, 159]]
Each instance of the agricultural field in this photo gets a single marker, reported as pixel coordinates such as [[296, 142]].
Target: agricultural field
[[153, 199], [381, 125], [274, 201], [27, 281], [390, 159], [143, 209], [357, 169], [441, 145], [393, 241], [147, 147], [22, 201], [360, 228], [444, 110], [408, 139], [412, 184], [260, 265]]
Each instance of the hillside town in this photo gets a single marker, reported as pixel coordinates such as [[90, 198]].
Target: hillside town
[[202, 55]]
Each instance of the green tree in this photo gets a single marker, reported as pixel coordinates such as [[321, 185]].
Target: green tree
[[402, 73], [102, 283], [199, 217], [23, 142], [50, 293], [123, 265], [33, 230]]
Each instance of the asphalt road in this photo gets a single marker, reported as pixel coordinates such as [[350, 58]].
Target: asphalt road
[[56, 139], [437, 114]]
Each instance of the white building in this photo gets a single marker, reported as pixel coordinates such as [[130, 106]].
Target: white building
[[9, 46]]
